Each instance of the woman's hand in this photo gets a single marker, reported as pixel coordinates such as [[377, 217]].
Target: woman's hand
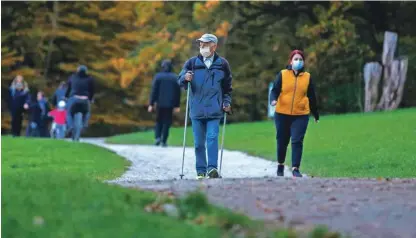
[[274, 103]]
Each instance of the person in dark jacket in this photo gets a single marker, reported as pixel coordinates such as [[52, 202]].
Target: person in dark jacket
[[33, 128], [80, 92], [293, 94], [210, 78], [45, 108], [38, 116], [18, 102], [165, 97]]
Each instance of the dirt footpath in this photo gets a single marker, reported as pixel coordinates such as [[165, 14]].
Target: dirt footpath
[[354, 207]]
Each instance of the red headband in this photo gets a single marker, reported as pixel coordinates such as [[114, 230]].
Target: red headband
[[293, 53]]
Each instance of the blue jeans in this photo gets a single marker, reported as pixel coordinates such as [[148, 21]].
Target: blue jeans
[[206, 132], [33, 129], [59, 130], [70, 120]]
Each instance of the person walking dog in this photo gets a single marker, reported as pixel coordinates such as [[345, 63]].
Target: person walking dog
[[293, 94], [210, 79]]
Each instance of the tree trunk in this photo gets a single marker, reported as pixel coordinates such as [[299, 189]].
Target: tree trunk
[[54, 20]]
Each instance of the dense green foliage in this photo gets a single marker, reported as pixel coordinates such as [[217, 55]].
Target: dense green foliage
[[354, 145], [123, 42]]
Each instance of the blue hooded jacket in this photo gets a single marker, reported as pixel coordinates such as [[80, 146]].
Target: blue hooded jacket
[[210, 88]]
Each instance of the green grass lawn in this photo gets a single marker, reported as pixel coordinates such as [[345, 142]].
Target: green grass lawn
[[381, 144], [56, 189]]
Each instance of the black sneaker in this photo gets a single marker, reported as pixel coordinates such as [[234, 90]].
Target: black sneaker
[[164, 144], [157, 143], [296, 173], [280, 170], [213, 173]]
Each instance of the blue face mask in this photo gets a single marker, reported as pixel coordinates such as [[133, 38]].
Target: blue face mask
[[297, 65]]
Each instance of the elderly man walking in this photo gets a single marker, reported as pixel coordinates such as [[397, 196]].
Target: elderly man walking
[[209, 76]]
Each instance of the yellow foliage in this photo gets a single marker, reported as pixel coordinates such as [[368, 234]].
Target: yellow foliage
[[222, 30], [68, 67], [122, 12], [212, 4], [74, 19], [146, 12], [27, 73], [156, 4], [77, 35], [9, 58], [128, 37]]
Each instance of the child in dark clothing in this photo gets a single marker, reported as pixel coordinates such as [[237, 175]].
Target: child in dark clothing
[[35, 119], [38, 117]]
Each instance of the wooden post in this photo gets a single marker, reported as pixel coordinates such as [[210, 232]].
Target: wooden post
[[372, 76], [394, 77], [399, 70], [389, 48]]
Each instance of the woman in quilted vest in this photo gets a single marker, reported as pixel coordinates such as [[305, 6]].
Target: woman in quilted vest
[[293, 94]]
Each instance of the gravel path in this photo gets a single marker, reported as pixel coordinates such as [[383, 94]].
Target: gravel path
[[158, 163], [355, 207]]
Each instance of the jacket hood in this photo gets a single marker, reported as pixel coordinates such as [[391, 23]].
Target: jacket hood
[[166, 66], [25, 86]]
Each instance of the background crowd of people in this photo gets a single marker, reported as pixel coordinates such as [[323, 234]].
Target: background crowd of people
[[42, 121], [40, 116]]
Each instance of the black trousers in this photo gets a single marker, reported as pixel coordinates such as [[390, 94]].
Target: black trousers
[[163, 123], [79, 105], [290, 128], [17, 118]]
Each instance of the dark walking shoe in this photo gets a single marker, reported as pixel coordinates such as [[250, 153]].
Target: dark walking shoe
[[200, 176], [157, 142], [296, 173], [213, 173], [280, 170], [164, 144]]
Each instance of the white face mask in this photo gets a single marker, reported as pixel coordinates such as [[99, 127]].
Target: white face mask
[[205, 51]]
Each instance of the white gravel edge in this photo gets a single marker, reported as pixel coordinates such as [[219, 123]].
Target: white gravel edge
[[150, 163]]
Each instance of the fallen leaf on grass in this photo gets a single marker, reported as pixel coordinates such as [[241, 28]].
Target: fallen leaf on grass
[[200, 219], [38, 221]]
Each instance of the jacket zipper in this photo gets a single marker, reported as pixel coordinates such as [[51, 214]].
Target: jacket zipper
[[294, 93]]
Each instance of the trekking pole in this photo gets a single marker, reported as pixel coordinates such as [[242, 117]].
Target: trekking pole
[[222, 141], [184, 133]]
